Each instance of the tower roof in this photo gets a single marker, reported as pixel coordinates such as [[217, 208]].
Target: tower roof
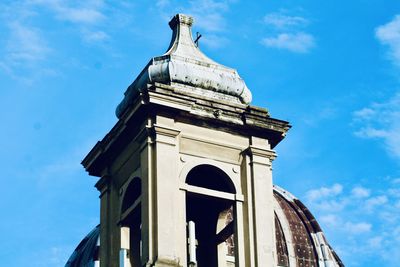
[[185, 65]]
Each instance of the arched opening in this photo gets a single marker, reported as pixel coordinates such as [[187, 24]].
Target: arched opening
[[132, 193], [131, 220], [210, 177], [210, 205]]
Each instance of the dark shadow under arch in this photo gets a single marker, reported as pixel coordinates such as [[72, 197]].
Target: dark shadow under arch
[[132, 193], [210, 177], [209, 213], [132, 220]]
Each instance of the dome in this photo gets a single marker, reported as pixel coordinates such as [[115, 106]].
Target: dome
[[86, 253], [300, 241], [189, 70]]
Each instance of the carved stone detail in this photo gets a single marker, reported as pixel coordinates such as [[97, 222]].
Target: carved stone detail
[[184, 63]]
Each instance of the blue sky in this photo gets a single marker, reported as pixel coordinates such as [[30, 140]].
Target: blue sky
[[332, 69]]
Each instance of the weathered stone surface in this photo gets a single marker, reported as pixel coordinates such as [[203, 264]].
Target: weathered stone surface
[[184, 63]]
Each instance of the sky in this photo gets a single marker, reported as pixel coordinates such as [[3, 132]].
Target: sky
[[331, 68]]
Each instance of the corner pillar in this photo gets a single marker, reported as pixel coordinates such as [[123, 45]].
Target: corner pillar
[[165, 230], [260, 165], [103, 185]]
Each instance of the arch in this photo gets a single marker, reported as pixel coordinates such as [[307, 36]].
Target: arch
[[226, 168], [132, 193], [209, 211], [210, 177], [131, 220]]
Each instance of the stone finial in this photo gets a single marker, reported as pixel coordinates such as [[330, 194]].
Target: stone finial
[[182, 43], [180, 19], [184, 64]]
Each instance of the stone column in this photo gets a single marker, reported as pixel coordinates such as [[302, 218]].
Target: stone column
[[162, 223], [105, 246], [147, 213], [261, 157], [167, 220]]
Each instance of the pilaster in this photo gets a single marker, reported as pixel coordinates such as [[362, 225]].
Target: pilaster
[[167, 196], [165, 223], [103, 185], [260, 159]]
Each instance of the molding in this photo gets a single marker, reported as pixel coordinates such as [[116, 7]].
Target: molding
[[260, 152], [167, 131], [169, 100], [211, 142], [103, 185], [163, 134]]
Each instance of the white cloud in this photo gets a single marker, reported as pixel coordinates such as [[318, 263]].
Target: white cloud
[[381, 121], [209, 14], [83, 15], [57, 256], [209, 17], [25, 44], [211, 22], [287, 34], [360, 192], [373, 202], [365, 113], [87, 12], [210, 5], [87, 15], [389, 34], [25, 50], [366, 225], [46, 174], [326, 198], [162, 3], [394, 192], [330, 219], [357, 228], [331, 205], [95, 36], [324, 192], [214, 41], [369, 132], [375, 242], [384, 120], [294, 42], [282, 21]]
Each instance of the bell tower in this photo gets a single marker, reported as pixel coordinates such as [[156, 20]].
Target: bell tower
[[185, 175]]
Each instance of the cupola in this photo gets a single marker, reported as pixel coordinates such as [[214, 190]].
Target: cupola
[[185, 66]]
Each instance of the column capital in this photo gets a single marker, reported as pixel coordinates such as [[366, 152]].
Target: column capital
[[164, 134], [261, 152], [103, 184]]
